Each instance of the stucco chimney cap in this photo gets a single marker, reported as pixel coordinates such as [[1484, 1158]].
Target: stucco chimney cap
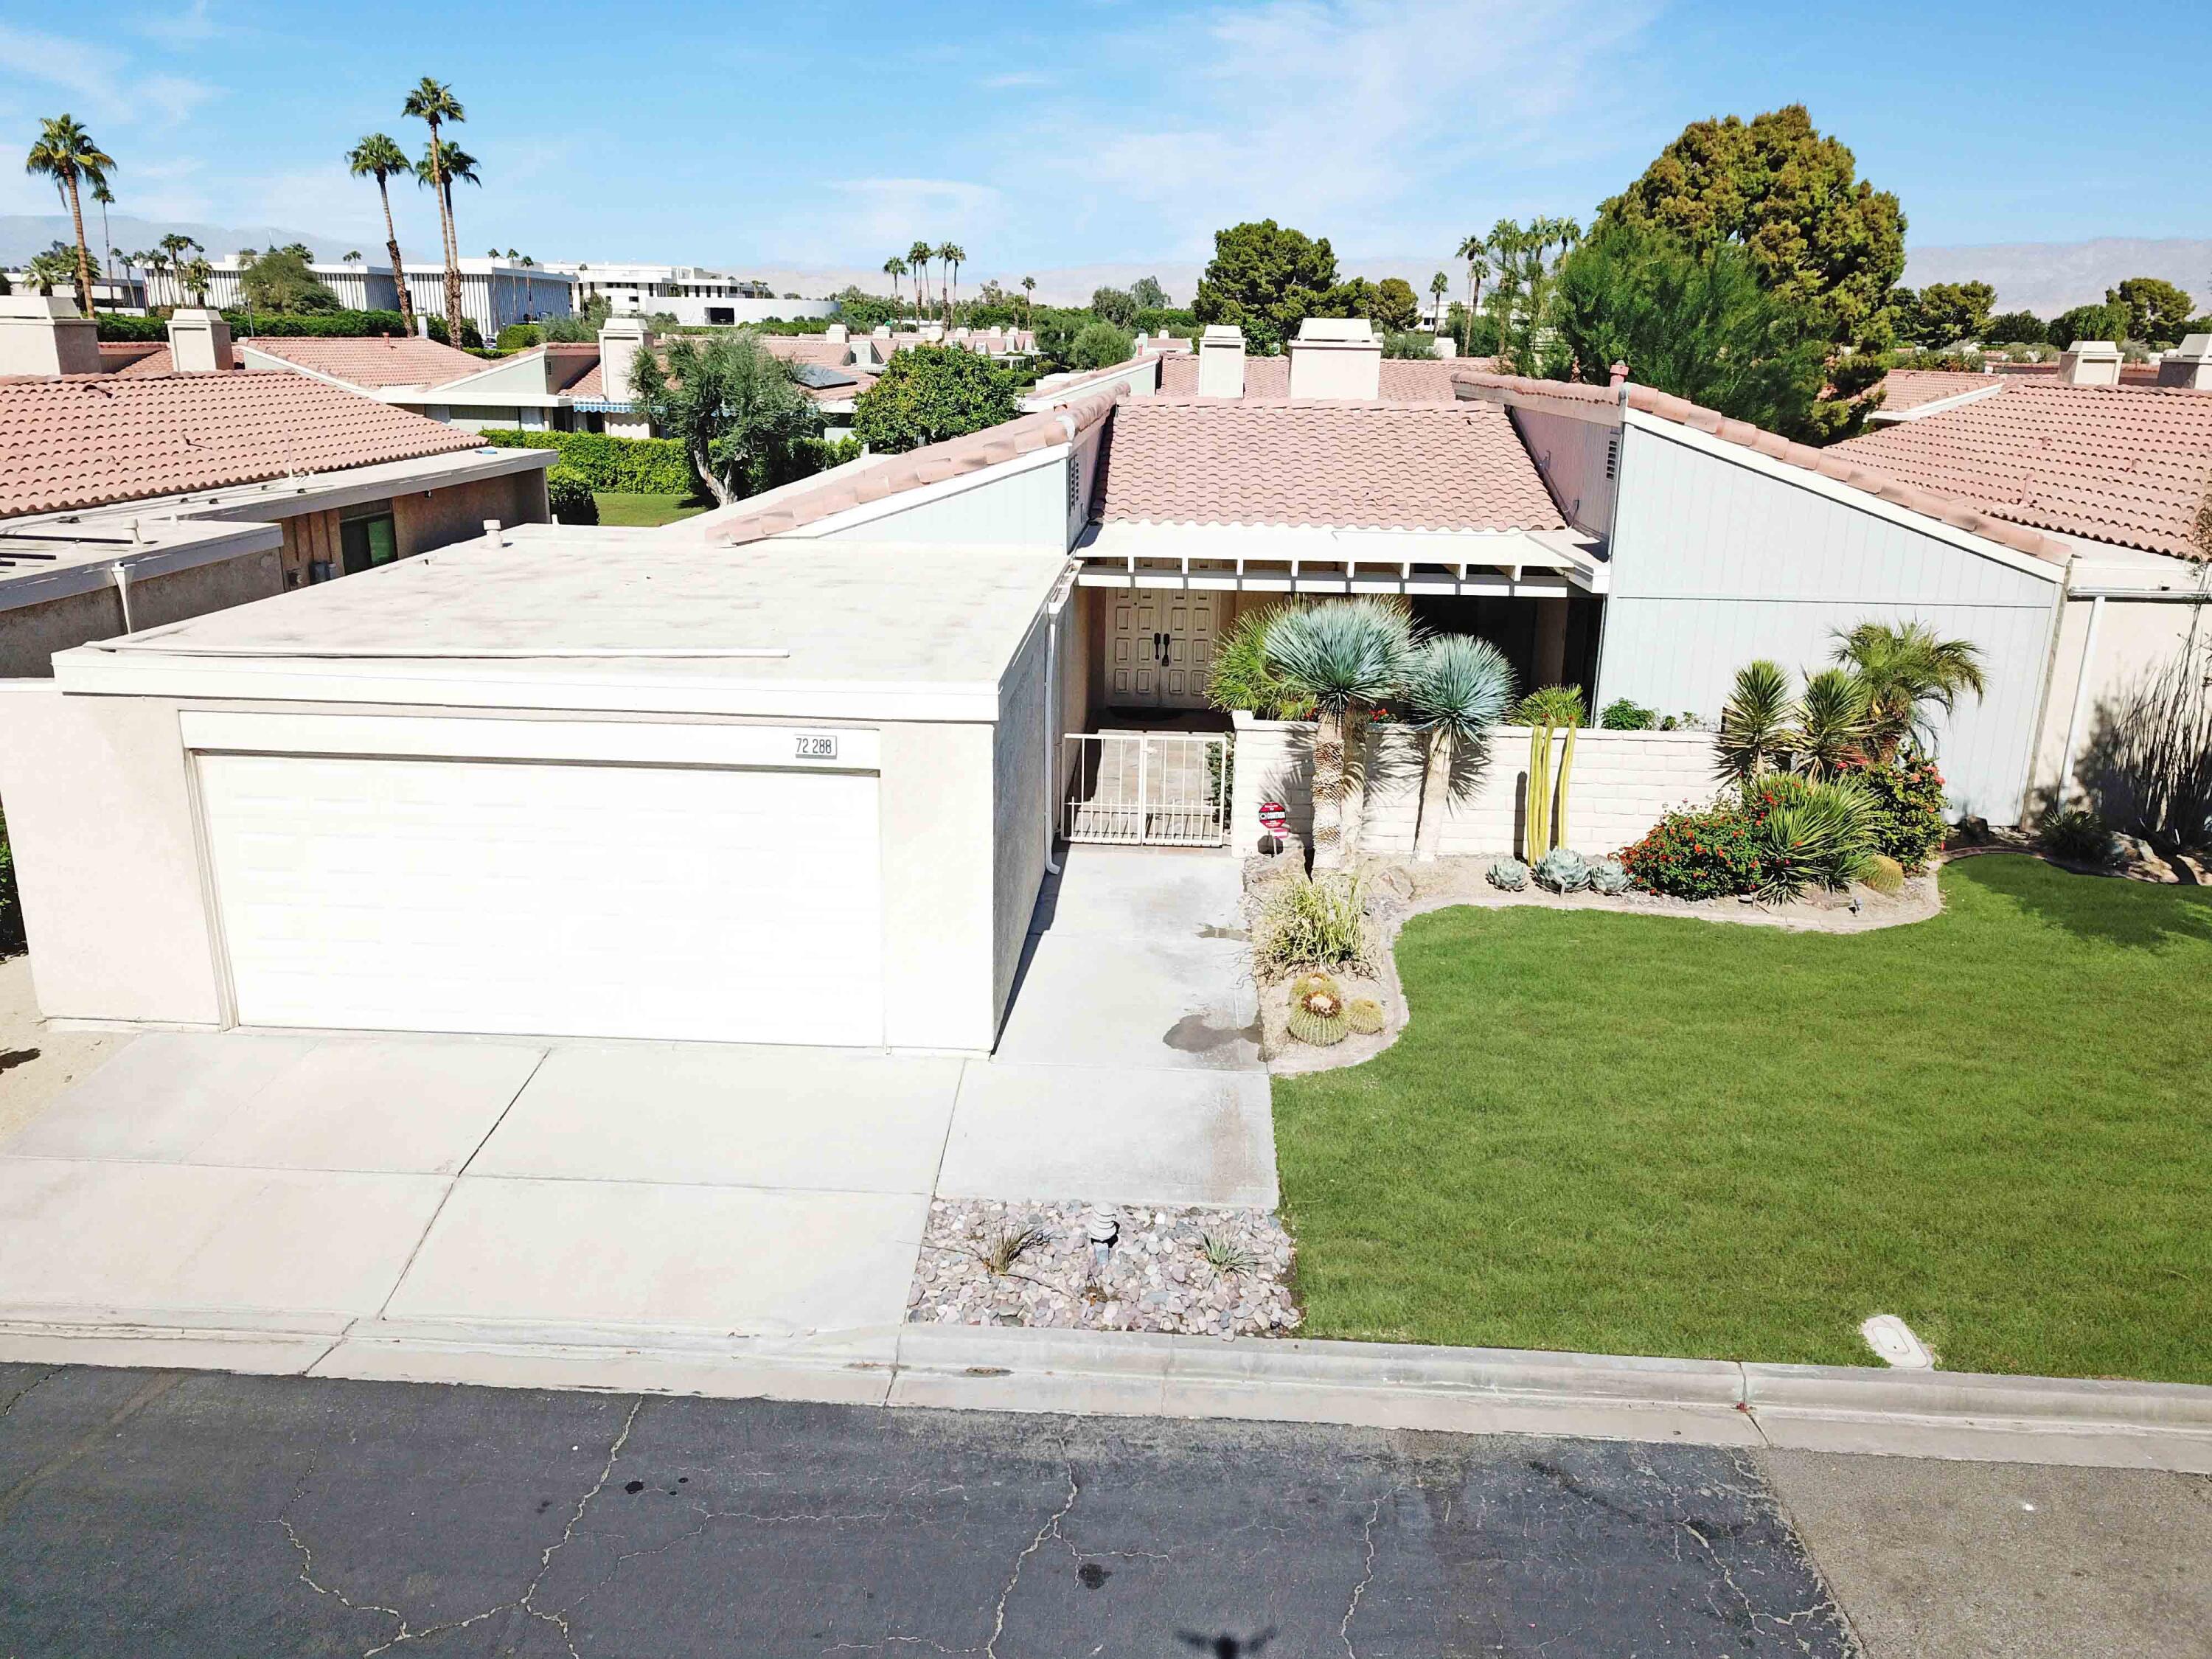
[[1335, 330], [1224, 333]]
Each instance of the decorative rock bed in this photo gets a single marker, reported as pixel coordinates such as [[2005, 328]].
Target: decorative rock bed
[[1158, 1276]]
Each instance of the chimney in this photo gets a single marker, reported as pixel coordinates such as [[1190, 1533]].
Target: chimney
[[621, 338], [2090, 362], [1221, 361], [1617, 377], [423, 325], [838, 332], [1336, 357], [2189, 364], [199, 340], [39, 336]]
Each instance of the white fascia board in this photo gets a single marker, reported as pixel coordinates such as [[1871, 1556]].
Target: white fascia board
[[660, 742], [328, 492], [943, 490], [1721, 449], [91, 671], [1936, 406]]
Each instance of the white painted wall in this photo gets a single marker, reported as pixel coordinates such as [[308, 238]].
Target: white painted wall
[[1620, 783], [1020, 823], [1720, 557], [1025, 505]]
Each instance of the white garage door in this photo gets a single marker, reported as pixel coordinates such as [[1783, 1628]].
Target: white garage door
[[585, 899]]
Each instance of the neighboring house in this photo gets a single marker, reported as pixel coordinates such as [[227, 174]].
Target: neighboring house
[[494, 292], [692, 295], [110, 291], [133, 500]]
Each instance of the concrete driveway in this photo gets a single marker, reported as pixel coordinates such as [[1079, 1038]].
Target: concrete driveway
[[305, 1188]]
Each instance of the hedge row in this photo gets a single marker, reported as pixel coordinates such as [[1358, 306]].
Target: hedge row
[[330, 325], [634, 466]]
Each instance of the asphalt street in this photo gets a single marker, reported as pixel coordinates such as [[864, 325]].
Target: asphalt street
[[152, 1513]]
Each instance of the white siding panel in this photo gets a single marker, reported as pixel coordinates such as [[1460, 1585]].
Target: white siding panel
[[1716, 562], [1021, 509]]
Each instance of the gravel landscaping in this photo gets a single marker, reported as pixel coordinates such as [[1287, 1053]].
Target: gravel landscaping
[[1195, 1271]]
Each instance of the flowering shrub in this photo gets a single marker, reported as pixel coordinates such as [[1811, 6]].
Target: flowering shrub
[[1908, 806], [1708, 853]]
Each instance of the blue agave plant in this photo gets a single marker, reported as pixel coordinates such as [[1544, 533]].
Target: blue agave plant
[[1563, 871], [1509, 874]]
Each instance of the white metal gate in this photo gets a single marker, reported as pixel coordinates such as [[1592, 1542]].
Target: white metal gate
[[1147, 788]]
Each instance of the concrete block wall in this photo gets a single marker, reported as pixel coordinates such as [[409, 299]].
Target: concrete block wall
[[1622, 782]]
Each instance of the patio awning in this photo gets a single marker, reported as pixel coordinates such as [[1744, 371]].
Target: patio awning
[[1315, 559]]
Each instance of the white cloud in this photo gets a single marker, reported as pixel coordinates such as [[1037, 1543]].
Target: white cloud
[[1016, 78], [1348, 117], [101, 81], [187, 27]]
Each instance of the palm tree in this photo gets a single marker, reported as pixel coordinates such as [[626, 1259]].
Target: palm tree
[[441, 166], [919, 257], [952, 253], [65, 152], [353, 256], [1834, 718], [106, 198], [193, 276], [1756, 734], [1473, 248], [1336, 657], [1455, 689], [48, 268], [174, 247], [1028, 302], [433, 103], [895, 268], [378, 156], [1904, 668], [1439, 285]]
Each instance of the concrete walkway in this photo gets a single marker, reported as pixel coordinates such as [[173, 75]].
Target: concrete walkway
[[288, 1191]]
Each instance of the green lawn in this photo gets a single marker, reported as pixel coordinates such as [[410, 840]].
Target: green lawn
[[1633, 1134], [646, 510]]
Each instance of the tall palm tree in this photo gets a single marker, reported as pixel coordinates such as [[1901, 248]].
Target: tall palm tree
[[1454, 688], [378, 156], [919, 257], [1904, 668], [1028, 302], [174, 246], [895, 268], [48, 268], [1439, 285], [106, 198], [433, 103], [1474, 250], [442, 166], [1337, 656], [952, 253], [65, 152]]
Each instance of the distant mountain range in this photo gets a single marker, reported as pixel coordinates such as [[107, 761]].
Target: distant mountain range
[[2045, 277]]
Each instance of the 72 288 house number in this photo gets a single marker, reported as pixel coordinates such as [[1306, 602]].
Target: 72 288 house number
[[816, 745]]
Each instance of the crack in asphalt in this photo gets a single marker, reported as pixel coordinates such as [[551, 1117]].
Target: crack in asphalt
[[1050, 1529], [23, 1392], [1366, 1577]]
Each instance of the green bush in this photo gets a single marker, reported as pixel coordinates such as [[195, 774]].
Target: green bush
[[1809, 835], [569, 493], [1101, 346], [327, 325], [113, 327], [1622, 715], [1407, 342], [1712, 853], [1907, 795], [520, 337], [631, 467], [2078, 837]]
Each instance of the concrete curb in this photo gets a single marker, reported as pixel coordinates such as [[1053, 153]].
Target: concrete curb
[[2031, 1419]]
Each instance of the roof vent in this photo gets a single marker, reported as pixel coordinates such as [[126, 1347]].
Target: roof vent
[[2090, 362], [2189, 364], [1336, 357], [1221, 361]]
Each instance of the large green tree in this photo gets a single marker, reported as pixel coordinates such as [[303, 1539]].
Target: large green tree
[[1115, 305], [1148, 293], [1944, 313], [1697, 324], [2016, 328], [1396, 306], [280, 282], [1818, 234], [2158, 312], [735, 407], [1265, 278], [930, 394], [2105, 322]]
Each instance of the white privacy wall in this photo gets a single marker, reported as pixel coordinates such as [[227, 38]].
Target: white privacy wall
[[1620, 784], [1719, 556]]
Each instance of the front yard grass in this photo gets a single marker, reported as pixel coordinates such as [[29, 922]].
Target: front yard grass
[[618, 508], [1632, 1134]]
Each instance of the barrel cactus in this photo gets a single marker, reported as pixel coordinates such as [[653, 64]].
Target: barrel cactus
[[1608, 876], [1364, 1016], [1314, 984], [1509, 875], [1318, 1017], [1885, 874], [1563, 871]]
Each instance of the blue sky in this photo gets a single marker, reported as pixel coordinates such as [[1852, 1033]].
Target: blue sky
[[1084, 132]]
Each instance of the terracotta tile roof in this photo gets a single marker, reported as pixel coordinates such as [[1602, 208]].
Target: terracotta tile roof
[[567, 363], [151, 360], [1909, 388], [590, 384], [2127, 465], [88, 440], [1828, 462], [1353, 465], [116, 354], [1404, 380], [855, 486], [374, 360]]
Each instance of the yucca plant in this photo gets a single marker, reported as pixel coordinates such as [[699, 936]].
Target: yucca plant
[[1337, 656], [1834, 721], [1756, 722], [1904, 668], [1816, 834], [1243, 677], [1455, 689]]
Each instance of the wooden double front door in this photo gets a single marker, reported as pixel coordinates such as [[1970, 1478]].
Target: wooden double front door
[[1160, 648]]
